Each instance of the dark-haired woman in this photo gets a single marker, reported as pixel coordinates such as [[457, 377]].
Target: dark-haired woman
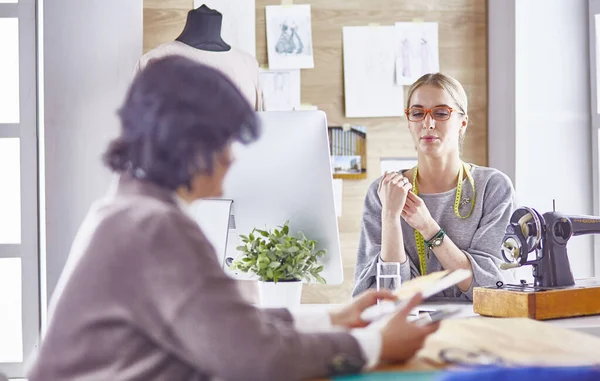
[[143, 297]]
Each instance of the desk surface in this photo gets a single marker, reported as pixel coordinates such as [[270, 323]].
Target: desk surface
[[587, 324], [520, 341]]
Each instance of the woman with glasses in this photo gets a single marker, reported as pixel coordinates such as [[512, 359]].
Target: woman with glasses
[[443, 214]]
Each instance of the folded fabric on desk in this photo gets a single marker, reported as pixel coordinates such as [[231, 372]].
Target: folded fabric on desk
[[524, 374]]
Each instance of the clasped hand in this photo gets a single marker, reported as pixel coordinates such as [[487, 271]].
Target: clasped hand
[[397, 198]]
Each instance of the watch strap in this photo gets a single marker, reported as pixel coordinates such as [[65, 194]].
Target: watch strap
[[436, 240]]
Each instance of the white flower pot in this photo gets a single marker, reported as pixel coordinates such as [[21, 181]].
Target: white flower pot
[[280, 294]]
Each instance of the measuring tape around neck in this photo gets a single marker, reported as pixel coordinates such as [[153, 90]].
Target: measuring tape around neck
[[419, 239]]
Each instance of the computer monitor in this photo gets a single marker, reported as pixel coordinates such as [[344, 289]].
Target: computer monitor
[[284, 175]]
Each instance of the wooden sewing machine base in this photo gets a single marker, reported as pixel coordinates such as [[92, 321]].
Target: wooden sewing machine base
[[583, 299]]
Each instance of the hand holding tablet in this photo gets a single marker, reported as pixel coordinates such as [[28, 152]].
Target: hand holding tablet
[[428, 286]]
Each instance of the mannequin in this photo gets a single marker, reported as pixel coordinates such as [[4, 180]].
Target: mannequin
[[203, 30], [201, 40]]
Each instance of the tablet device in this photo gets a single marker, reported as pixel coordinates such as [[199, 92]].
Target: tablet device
[[435, 316], [428, 290]]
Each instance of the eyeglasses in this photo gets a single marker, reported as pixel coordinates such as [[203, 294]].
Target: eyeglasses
[[463, 357], [439, 113]]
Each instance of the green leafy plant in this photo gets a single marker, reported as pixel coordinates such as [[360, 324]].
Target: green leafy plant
[[275, 255]]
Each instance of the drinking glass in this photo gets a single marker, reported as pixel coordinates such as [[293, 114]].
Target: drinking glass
[[388, 276]]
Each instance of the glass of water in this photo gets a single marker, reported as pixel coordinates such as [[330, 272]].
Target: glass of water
[[388, 276]]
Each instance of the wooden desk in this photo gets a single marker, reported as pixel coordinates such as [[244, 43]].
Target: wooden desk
[[585, 324], [518, 341]]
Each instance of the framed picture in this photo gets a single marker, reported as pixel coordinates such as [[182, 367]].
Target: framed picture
[[348, 149]]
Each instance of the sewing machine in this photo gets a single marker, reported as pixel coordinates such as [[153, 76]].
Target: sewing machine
[[554, 292]]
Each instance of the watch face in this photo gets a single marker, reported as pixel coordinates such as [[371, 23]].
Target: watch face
[[437, 242]]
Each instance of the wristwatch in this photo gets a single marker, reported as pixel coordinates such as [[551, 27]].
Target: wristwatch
[[436, 240]]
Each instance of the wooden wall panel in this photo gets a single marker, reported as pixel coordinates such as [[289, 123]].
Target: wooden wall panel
[[463, 54], [164, 21]]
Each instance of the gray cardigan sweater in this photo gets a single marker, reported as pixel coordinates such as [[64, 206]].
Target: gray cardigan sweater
[[478, 236], [143, 297]]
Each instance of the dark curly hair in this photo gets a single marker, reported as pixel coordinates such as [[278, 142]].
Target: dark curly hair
[[176, 116]]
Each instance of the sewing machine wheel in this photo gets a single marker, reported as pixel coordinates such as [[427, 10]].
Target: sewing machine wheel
[[511, 250], [522, 236]]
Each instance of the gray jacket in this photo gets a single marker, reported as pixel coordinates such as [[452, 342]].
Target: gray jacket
[[479, 236], [143, 298]]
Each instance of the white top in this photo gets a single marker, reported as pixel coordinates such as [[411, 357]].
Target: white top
[[240, 67]]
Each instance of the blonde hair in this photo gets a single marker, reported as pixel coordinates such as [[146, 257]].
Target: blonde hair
[[443, 81], [448, 84]]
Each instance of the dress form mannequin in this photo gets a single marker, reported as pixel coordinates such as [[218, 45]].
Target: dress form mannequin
[[203, 30], [201, 40]]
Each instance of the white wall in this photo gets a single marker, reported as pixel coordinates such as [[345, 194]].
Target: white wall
[[90, 50], [501, 85], [549, 96]]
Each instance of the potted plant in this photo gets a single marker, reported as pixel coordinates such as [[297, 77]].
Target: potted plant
[[281, 262]]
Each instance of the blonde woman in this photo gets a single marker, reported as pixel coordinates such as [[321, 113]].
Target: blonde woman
[[443, 213]]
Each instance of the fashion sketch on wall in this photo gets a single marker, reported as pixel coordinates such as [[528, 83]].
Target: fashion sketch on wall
[[289, 37], [281, 89], [417, 50], [369, 86]]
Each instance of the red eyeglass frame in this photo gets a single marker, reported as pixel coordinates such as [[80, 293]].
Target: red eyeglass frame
[[429, 111]]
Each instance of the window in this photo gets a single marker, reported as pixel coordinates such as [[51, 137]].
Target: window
[[594, 56], [597, 36], [19, 233], [11, 345], [9, 70], [10, 192]]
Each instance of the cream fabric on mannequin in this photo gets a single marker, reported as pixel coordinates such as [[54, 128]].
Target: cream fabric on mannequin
[[240, 67]]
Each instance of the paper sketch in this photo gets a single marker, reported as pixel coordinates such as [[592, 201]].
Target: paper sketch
[[289, 37], [394, 164], [281, 89], [417, 50], [369, 73], [239, 22]]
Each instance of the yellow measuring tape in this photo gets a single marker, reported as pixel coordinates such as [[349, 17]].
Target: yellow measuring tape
[[457, 200]]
